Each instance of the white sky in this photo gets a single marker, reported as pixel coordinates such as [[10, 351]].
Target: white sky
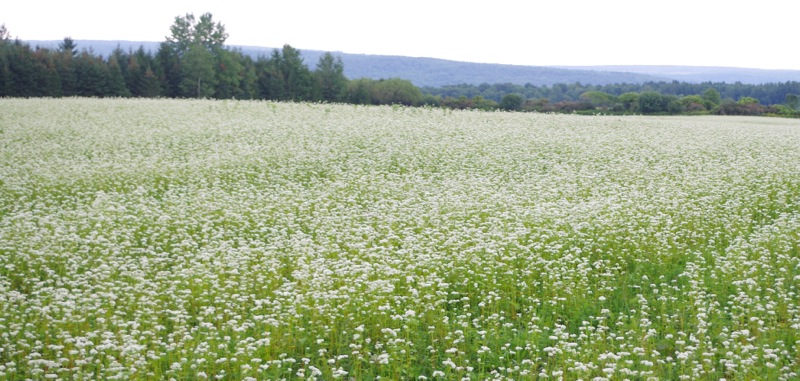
[[761, 34]]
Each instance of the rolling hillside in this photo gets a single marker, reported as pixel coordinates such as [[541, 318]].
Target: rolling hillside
[[436, 72], [698, 74]]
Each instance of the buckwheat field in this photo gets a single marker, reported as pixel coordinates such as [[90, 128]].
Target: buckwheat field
[[190, 240]]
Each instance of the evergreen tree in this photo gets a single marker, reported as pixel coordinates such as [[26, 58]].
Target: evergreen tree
[[66, 70], [229, 71], [168, 70], [92, 74], [21, 69], [6, 80], [48, 82], [133, 73], [148, 85], [115, 82], [268, 78], [249, 78], [68, 47], [297, 78], [139, 62]]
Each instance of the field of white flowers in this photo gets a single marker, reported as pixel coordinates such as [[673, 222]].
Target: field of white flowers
[[188, 240]]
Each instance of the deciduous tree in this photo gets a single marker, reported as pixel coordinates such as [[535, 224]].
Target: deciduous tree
[[712, 97], [629, 101], [652, 102], [512, 102], [198, 78], [4, 34], [187, 31], [330, 77], [395, 91]]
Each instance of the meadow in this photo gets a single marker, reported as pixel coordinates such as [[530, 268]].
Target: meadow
[[238, 240]]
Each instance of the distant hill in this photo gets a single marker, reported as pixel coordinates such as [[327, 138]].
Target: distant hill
[[439, 72], [697, 74]]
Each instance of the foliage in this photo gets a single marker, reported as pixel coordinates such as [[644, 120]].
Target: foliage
[[793, 101], [712, 97], [741, 108], [463, 103], [512, 102], [395, 91], [712, 93], [186, 31], [116, 86], [693, 103], [68, 47], [651, 102], [229, 75], [384, 91], [629, 101], [287, 77], [198, 77], [330, 78], [358, 91], [92, 74], [194, 62], [5, 35], [148, 85], [599, 99]]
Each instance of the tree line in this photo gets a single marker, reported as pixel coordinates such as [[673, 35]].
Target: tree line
[[650, 97], [193, 62]]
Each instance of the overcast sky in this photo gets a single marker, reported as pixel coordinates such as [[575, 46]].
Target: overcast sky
[[760, 34]]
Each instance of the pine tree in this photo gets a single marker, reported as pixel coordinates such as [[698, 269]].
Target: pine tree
[[298, 82], [66, 70], [92, 75], [115, 82], [48, 82], [132, 75], [22, 67], [228, 75], [167, 68], [149, 86], [68, 46], [6, 82]]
